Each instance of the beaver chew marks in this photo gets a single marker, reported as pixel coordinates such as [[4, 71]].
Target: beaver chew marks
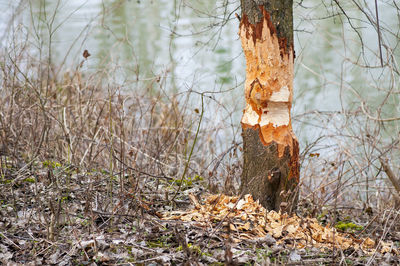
[[269, 83]]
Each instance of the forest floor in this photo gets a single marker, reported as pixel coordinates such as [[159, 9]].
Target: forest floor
[[56, 214]]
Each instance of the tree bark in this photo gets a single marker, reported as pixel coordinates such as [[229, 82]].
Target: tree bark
[[271, 150]]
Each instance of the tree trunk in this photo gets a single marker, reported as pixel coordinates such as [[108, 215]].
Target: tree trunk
[[271, 150]]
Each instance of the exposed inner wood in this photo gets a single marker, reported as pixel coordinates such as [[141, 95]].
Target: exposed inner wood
[[269, 83]]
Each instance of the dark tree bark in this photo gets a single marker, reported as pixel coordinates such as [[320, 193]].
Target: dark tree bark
[[271, 150]]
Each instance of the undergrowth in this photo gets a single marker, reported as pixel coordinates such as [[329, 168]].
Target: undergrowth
[[88, 164]]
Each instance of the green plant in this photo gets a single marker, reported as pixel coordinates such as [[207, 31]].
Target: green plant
[[51, 164], [348, 226], [30, 179], [187, 181], [195, 249]]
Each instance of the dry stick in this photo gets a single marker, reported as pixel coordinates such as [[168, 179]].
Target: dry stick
[[111, 139], [336, 195], [138, 150], [235, 145], [127, 167], [191, 150], [12, 242], [390, 175], [379, 32], [385, 231]]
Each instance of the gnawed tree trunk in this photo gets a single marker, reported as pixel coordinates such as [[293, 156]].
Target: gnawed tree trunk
[[271, 151]]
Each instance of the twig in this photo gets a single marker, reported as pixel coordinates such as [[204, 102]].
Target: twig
[[12, 242], [379, 32], [191, 151], [138, 150], [127, 167]]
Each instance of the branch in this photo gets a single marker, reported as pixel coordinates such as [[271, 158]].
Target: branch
[[379, 32], [191, 150], [390, 175]]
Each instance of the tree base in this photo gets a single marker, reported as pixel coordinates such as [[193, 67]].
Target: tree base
[[267, 177]]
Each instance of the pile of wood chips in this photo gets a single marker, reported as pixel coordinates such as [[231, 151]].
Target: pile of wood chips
[[245, 219]]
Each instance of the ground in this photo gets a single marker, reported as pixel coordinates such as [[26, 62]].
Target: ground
[[59, 214]]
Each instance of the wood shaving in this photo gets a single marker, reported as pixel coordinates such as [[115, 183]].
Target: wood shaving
[[245, 219]]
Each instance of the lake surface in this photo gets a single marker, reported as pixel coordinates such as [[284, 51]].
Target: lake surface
[[195, 44]]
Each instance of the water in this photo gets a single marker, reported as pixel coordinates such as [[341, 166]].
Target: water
[[195, 44]]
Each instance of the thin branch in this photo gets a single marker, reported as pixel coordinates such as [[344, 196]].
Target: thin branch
[[391, 175], [379, 31], [191, 151]]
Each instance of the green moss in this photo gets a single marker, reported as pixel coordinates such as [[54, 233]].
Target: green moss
[[51, 164], [157, 244], [30, 179], [85, 222], [198, 178], [162, 242], [348, 226], [187, 181], [5, 181], [195, 249], [65, 198]]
